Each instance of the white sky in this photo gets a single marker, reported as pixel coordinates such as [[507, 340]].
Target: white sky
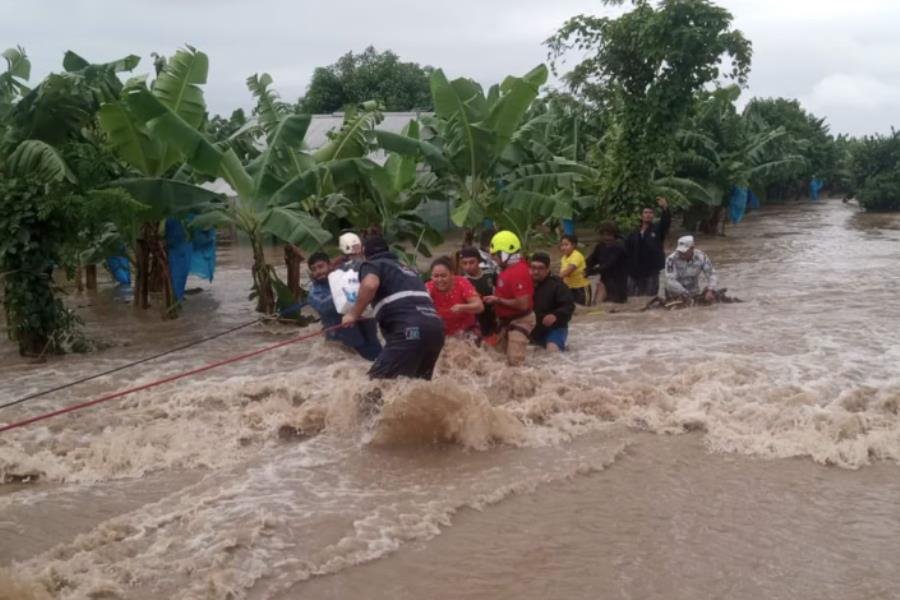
[[841, 59]]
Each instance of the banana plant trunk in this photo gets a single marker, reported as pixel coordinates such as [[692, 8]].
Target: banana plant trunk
[[293, 259], [262, 279], [152, 270]]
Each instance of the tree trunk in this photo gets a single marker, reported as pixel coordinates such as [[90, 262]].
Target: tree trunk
[[262, 279], [152, 271], [79, 278], [90, 275], [293, 259], [710, 226]]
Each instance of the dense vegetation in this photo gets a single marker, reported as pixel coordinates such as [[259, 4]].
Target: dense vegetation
[[94, 165]]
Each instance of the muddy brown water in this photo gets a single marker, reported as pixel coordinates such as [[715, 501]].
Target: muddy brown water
[[740, 451]]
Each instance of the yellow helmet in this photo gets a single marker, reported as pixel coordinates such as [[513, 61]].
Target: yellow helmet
[[505, 241]]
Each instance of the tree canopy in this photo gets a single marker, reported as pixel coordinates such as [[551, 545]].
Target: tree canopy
[[369, 75]]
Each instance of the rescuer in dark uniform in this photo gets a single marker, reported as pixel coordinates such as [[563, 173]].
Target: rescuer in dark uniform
[[413, 331]]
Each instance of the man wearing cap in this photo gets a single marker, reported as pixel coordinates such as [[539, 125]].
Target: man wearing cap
[[412, 330], [363, 337], [683, 270], [646, 255], [513, 298], [351, 249], [554, 305]]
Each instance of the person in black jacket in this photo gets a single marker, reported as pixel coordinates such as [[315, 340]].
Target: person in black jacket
[[553, 305], [610, 260], [412, 330], [645, 251]]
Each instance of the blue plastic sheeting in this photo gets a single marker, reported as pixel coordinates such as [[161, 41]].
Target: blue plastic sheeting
[[568, 226], [738, 205], [752, 201], [203, 260], [120, 269], [815, 186], [180, 251]]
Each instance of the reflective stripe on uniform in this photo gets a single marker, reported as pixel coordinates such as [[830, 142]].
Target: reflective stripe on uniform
[[400, 296]]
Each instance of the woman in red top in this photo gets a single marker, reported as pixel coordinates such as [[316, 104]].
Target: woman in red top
[[455, 299]]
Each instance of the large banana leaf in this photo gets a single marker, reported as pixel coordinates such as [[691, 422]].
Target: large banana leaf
[[165, 197], [516, 95], [34, 157], [197, 151], [295, 227], [130, 139], [408, 146], [17, 63], [178, 88], [280, 159], [353, 140], [267, 108]]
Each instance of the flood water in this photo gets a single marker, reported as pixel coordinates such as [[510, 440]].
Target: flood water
[[740, 451]]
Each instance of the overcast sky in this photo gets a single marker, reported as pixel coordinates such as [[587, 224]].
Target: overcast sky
[[840, 58]]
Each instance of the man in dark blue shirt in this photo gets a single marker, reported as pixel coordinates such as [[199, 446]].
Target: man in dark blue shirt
[[362, 337], [413, 331], [646, 255]]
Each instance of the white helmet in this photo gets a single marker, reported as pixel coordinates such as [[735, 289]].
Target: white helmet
[[350, 243]]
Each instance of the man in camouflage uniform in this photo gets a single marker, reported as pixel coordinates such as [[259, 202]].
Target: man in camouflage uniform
[[683, 270]]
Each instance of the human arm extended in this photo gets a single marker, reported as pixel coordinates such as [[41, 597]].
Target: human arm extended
[[712, 280], [519, 303], [367, 288]]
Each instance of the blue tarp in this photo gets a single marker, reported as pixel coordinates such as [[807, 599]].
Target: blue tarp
[[120, 269], [196, 256], [203, 260], [815, 186], [180, 251], [568, 226], [752, 201], [738, 204]]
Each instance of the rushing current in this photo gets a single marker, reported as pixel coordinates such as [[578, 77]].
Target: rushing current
[[740, 451]]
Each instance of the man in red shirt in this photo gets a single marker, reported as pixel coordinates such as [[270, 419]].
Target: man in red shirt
[[455, 299], [513, 298]]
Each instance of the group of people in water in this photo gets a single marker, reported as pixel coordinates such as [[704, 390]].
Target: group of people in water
[[492, 294]]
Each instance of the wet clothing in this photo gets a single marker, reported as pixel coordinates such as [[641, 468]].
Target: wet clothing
[[413, 331], [647, 257], [460, 293], [514, 282], [362, 337], [484, 285], [683, 276], [514, 336], [577, 279], [611, 263], [515, 325], [551, 297], [581, 295]]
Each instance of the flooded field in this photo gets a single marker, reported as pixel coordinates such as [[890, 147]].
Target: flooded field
[[739, 451]]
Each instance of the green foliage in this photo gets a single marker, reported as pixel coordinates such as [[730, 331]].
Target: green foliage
[[806, 135], [370, 75], [875, 171], [644, 68], [36, 221]]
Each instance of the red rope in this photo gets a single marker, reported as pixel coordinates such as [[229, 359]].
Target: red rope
[[169, 379]]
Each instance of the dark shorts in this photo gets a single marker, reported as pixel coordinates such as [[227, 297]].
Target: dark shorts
[[580, 295], [411, 349], [644, 286]]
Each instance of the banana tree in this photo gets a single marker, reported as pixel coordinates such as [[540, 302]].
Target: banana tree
[[155, 160], [722, 150], [495, 165]]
